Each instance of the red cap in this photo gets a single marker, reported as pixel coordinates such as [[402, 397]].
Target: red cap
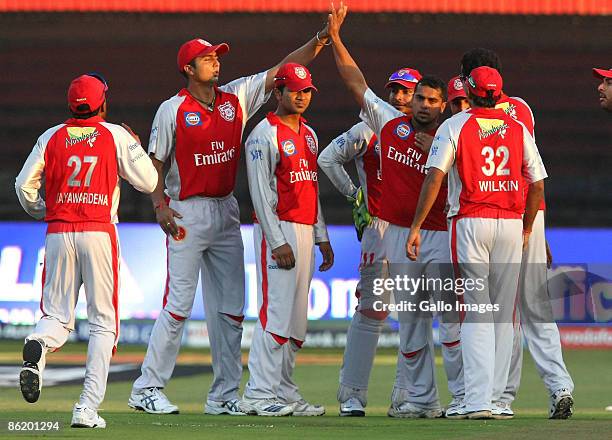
[[198, 48], [406, 77], [485, 78], [86, 89], [294, 76], [602, 73], [455, 88]]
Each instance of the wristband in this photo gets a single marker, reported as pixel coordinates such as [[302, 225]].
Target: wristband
[[329, 42], [158, 205]]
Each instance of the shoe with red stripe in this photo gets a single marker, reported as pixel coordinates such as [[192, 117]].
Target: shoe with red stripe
[[266, 407]]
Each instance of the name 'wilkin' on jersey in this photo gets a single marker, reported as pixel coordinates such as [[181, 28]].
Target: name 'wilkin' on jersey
[[214, 158], [303, 175], [498, 186], [87, 198]]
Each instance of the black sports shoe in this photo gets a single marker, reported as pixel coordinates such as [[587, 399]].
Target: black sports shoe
[[30, 379]]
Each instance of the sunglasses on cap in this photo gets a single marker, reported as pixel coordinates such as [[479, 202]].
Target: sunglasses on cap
[[100, 78]]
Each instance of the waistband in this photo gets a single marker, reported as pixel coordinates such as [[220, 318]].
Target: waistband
[[59, 227]]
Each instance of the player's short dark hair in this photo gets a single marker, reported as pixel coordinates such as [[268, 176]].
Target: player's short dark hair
[[477, 57], [435, 83], [489, 102], [192, 64], [85, 108]]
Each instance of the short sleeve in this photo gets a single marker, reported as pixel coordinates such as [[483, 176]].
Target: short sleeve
[[377, 112], [533, 167], [163, 130], [443, 148], [251, 92]]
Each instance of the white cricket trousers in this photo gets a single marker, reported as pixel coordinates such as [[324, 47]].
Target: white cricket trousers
[[488, 252], [536, 322], [415, 378], [212, 247], [366, 324], [283, 307], [79, 254]]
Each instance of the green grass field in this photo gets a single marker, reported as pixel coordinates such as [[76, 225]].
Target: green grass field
[[317, 374]]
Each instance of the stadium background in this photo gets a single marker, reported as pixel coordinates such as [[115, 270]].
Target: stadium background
[[547, 47]]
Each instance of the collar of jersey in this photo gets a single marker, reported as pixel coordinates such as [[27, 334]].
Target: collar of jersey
[[185, 92], [88, 121], [275, 120]]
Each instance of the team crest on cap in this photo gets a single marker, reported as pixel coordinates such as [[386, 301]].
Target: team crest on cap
[[192, 119], [312, 145], [300, 72], [288, 147], [458, 85], [227, 111], [403, 130]]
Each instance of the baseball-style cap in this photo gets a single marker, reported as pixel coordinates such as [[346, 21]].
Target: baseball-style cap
[[602, 73], [87, 89], [294, 76], [406, 77], [483, 79], [198, 48], [455, 88]]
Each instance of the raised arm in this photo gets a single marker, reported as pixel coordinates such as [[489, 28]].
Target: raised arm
[[347, 67], [302, 55]]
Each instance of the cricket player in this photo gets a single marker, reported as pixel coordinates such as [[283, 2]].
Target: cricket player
[[80, 163], [402, 163], [604, 89], [283, 182], [457, 99], [534, 317], [605, 100], [486, 152], [198, 133], [360, 144]]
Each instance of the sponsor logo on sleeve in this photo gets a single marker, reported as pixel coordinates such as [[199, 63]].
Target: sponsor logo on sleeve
[[403, 130], [227, 111], [288, 147], [434, 150], [340, 141], [192, 119], [256, 155], [312, 145]]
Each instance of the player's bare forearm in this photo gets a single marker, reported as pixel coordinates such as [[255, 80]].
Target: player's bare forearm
[[302, 55], [347, 67], [534, 198], [157, 196], [429, 192]]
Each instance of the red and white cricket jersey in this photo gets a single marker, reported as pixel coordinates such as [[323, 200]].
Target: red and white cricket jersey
[[82, 160], [490, 157], [402, 166], [361, 145], [283, 177], [204, 145], [518, 109]]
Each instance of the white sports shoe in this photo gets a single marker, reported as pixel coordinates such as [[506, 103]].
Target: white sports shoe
[[30, 377], [153, 401], [231, 407], [455, 409], [501, 411], [85, 417], [303, 408], [352, 408], [409, 410], [265, 407], [561, 404]]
